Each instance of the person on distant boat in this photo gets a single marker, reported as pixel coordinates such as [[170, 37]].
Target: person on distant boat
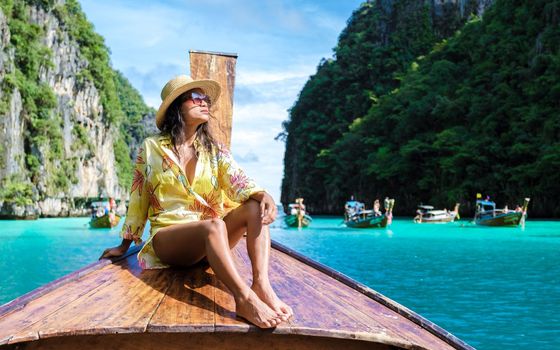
[[518, 209], [351, 204], [360, 207], [377, 208], [112, 204], [300, 211], [179, 181], [100, 211], [350, 208]]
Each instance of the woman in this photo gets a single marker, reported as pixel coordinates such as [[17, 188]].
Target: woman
[[179, 182]]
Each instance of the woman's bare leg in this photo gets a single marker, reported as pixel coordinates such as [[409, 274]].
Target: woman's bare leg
[[246, 218], [186, 244]]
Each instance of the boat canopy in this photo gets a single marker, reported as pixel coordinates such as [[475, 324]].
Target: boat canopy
[[369, 211], [427, 207], [100, 204], [486, 203], [438, 212]]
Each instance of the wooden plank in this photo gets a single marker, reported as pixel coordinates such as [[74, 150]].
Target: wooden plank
[[225, 317], [39, 307], [23, 300], [125, 305], [243, 264], [188, 305], [219, 67]]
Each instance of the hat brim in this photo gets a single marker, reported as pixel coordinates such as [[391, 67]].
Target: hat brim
[[210, 88]]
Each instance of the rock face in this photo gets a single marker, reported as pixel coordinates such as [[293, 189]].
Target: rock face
[[87, 136], [11, 124]]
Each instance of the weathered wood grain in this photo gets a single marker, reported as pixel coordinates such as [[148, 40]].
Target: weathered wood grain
[[124, 304], [29, 311], [219, 67], [188, 305]]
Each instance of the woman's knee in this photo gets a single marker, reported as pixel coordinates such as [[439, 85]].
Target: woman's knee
[[252, 207], [215, 228]]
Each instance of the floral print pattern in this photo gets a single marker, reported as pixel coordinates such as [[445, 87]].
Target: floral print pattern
[[161, 193]]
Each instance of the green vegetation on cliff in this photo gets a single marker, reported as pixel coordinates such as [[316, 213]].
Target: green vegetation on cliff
[[123, 106], [478, 111]]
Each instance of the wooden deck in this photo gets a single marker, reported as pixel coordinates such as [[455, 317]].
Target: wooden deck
[[190, 308]]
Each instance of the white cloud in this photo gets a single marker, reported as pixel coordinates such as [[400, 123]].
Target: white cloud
[[270, 76], [279, 44]]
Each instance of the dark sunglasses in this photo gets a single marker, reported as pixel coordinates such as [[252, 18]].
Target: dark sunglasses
[[197, 98]]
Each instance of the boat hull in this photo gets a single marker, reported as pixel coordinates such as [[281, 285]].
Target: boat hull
[[509, 219], [104, 222], [292, 220], [368, 222], [202, 341], [436, 220]]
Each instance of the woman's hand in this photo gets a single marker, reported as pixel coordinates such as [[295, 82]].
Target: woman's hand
[[268, 207], [116, 251]]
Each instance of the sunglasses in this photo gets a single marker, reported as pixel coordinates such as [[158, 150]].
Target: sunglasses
[[197, 98]]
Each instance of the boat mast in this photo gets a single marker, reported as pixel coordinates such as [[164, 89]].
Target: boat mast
[[218, 66]]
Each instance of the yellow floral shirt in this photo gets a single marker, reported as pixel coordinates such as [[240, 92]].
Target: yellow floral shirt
[[161, 193]]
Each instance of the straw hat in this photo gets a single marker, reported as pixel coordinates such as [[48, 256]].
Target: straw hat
[[180, 84]]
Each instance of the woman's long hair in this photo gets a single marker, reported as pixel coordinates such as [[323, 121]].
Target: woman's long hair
[[173, 126]]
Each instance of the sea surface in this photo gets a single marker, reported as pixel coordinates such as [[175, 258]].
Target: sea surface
[[494, 288]]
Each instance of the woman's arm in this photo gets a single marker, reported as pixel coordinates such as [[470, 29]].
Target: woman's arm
[[233, 180], [239, 187], [268, 207], [116, 251], [137, 212]]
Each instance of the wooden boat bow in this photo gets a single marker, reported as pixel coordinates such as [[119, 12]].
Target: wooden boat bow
[[116, 303]]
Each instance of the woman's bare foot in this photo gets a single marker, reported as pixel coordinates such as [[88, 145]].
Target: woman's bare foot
[[256, 311], [267, 294]]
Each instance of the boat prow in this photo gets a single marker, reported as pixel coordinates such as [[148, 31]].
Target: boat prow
[[105, 221], [368, 222], [292, 220], [117, 305]]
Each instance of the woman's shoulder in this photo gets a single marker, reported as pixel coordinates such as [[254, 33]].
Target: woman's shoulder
[[222, 150], [157, 140]]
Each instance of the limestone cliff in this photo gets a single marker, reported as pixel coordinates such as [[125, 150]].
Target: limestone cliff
[[60, 150]]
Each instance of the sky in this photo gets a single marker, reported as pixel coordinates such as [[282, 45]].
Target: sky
[[279, 45]]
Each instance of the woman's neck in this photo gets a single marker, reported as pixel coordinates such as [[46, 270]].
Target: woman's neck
[[190, 136]]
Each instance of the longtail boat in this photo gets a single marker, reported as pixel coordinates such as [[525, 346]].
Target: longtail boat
[[362, 218], [427, 214], [102, 216], [487, 214], [105, 221], [295, 210], [117, 305], [292, 220], [366, 219], [114, 304]]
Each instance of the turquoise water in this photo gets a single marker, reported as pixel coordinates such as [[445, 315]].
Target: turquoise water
[[493, 287]]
